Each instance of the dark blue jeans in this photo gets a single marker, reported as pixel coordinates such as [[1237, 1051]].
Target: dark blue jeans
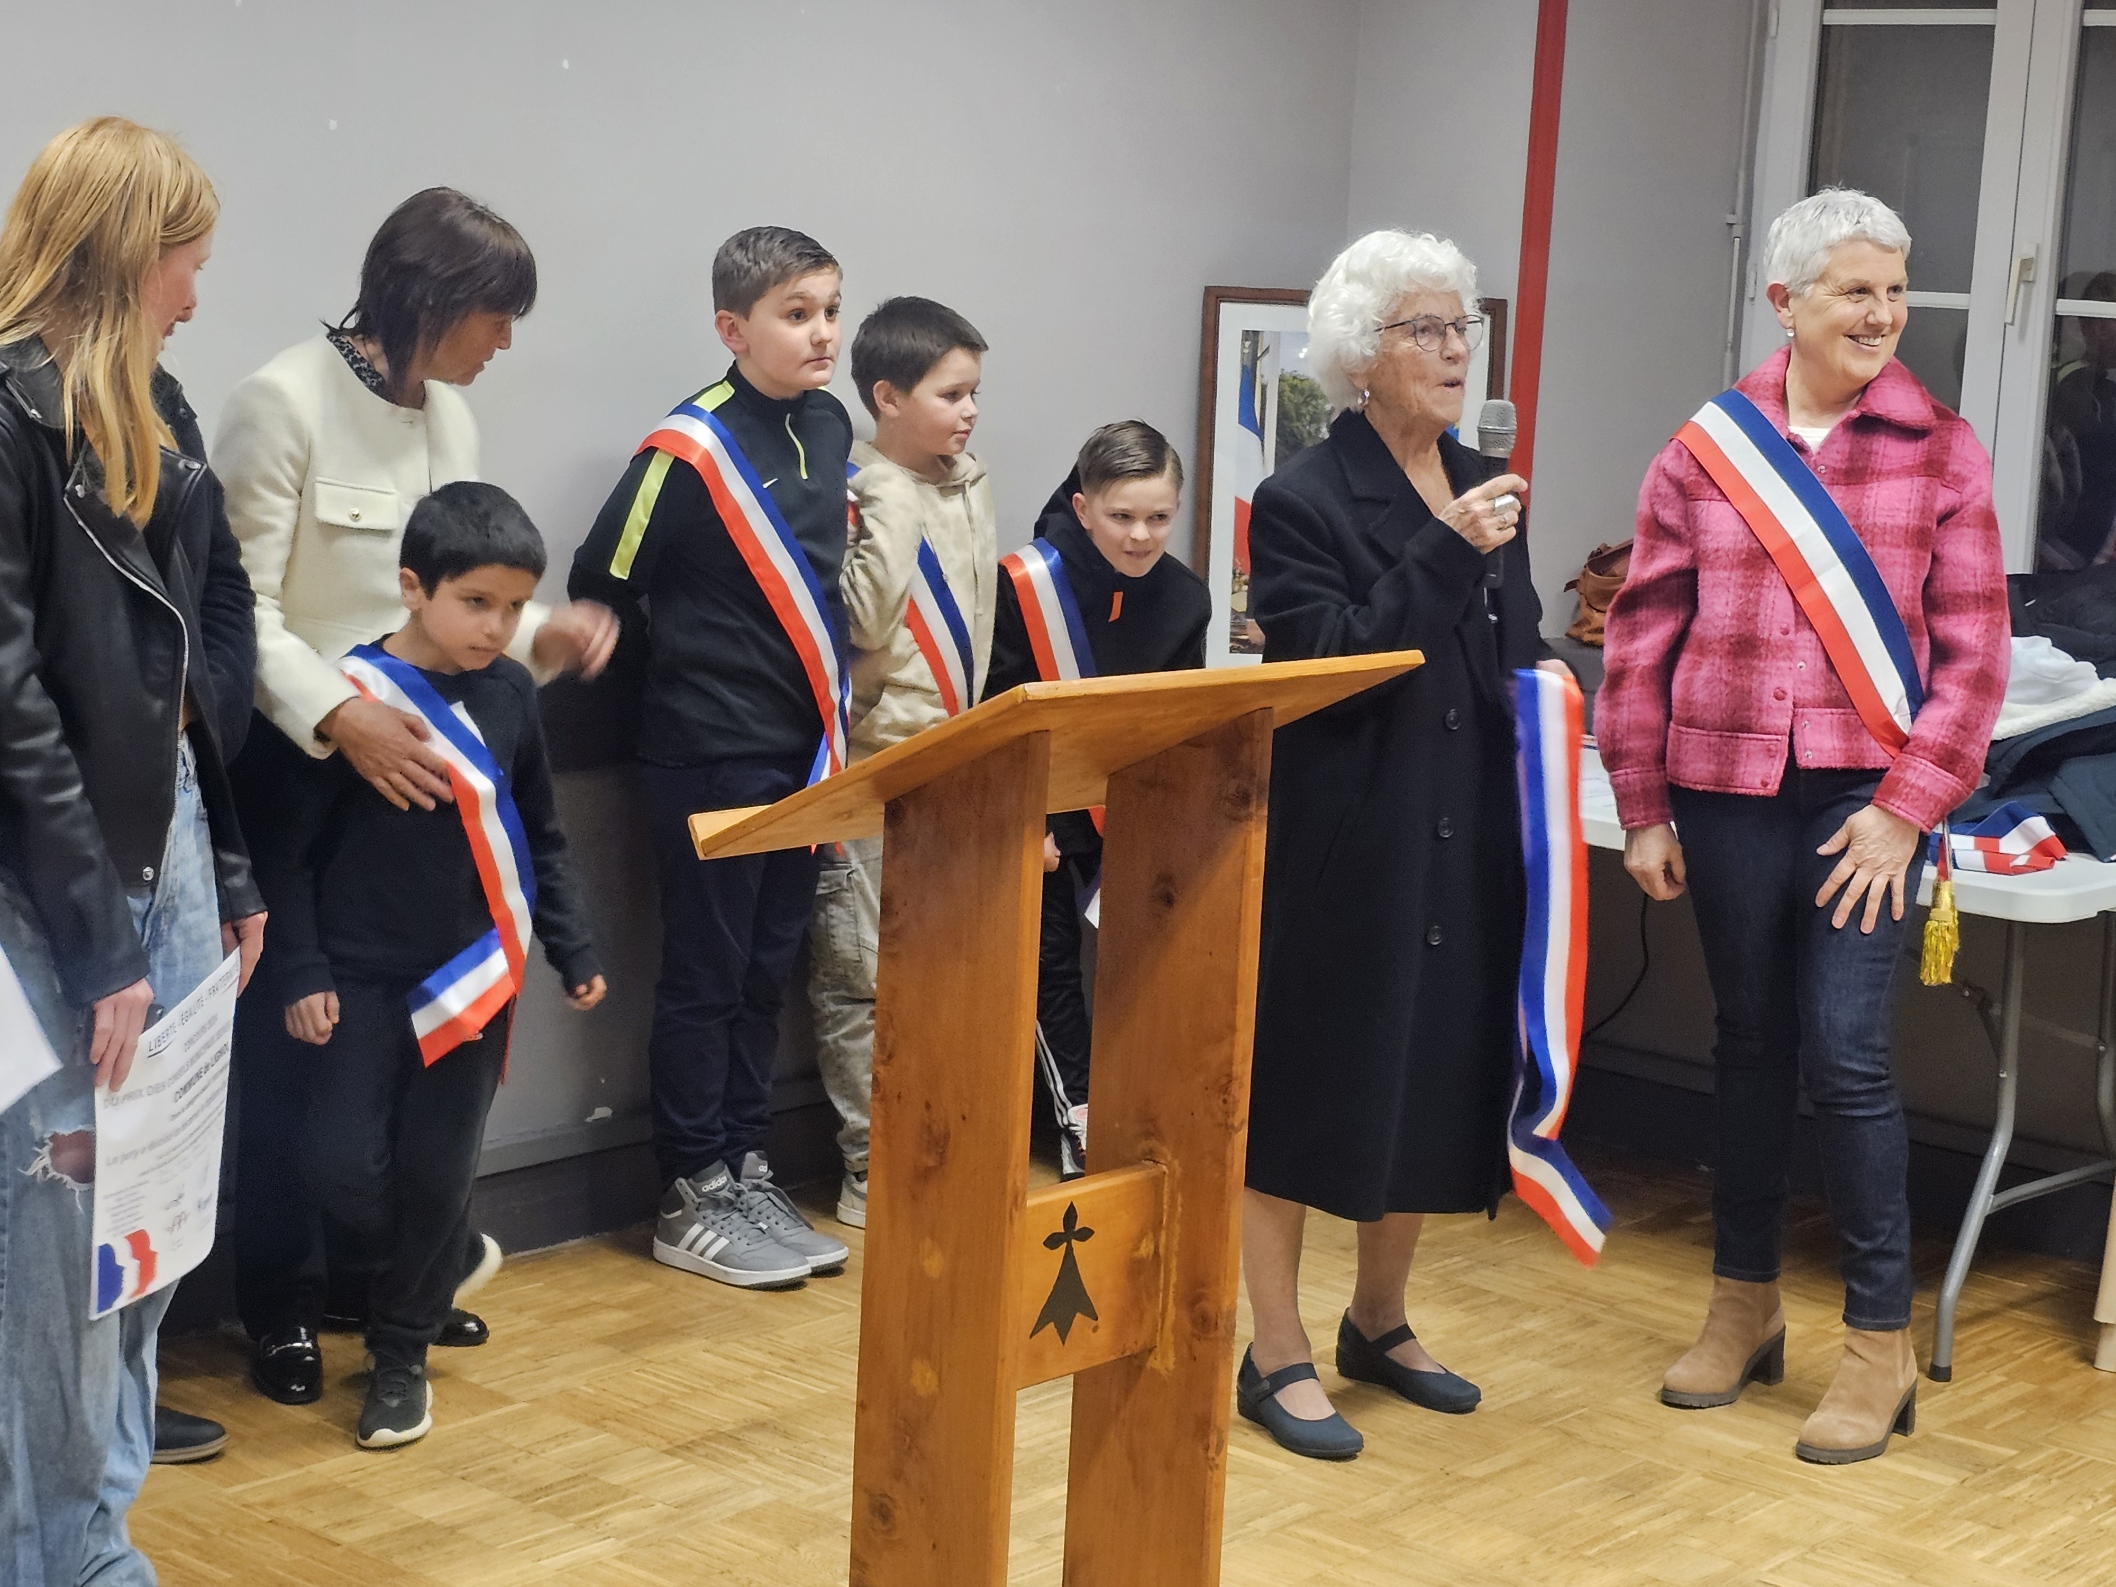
[[1801, 1003], [729, 932]]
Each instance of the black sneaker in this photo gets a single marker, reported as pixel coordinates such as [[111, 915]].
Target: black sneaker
[[287, 1366], [399, 1408], [181, 1439]]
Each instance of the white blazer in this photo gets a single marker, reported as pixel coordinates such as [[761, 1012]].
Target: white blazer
[[321, 475]]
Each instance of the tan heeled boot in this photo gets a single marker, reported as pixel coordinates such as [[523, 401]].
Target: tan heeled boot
[[1874, 1394], [1743, 1342]]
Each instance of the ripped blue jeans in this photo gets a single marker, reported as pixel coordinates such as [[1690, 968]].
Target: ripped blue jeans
[[77, 1396]]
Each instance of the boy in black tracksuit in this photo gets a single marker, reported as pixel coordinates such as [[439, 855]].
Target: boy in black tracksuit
[[1143, 612], [729, 718], [370, 901]]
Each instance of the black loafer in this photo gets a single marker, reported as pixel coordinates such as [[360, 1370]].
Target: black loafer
[[1367, 1360], [1256, 1396], [181, 1439], [462, 1330], [287, 1366]]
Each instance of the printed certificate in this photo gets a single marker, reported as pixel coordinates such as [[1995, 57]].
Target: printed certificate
[[158, 1148]]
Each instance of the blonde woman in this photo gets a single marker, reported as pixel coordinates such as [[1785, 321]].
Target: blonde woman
[[123, 878]]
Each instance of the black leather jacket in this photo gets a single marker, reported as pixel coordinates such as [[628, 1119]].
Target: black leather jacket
[[99, 645]]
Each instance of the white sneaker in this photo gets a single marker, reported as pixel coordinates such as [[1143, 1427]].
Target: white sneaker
[[482, 1274], [1072, 1143], [852, 1201], [704, 1228]]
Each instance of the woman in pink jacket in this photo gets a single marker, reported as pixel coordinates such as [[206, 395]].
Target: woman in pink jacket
[[1747, 770]]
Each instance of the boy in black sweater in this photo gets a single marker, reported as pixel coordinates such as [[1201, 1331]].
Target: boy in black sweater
[[398, 936], [723, 543], [1096, 573]]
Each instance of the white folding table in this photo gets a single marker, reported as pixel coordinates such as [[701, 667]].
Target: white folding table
[[2077, 888]]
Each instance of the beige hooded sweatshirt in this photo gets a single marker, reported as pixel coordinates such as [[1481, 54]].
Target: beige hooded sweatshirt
[[893, 692]]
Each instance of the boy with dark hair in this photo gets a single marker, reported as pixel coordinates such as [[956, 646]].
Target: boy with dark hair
[[400, 936], [722, 544], [919, 583], [1093, 594]]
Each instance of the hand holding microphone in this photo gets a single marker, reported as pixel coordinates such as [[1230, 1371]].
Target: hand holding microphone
[[1485, 515], [1497, 424]]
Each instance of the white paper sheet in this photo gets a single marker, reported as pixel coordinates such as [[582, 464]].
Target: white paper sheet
[[158, 1148], [26, 1057]]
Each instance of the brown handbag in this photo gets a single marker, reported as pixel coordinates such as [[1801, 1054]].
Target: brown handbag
[[1600, 578]]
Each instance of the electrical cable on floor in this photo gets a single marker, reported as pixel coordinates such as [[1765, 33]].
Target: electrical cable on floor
[[1645, 963]]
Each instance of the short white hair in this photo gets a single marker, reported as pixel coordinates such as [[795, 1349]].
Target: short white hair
[[1796, 251], [1358, 293]]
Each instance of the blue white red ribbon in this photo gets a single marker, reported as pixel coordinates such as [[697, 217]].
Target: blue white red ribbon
[[1057, 635], [1058, 640], [774, 558], [2011, 841], [456, 1002], [936, 623], [1820, 556], [1553, 988]]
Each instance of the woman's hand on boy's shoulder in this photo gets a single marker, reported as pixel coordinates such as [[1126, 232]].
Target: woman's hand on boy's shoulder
[[588, 993]]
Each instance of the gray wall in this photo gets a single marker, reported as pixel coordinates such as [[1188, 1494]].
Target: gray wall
[[1069, 176], [1648, 153]]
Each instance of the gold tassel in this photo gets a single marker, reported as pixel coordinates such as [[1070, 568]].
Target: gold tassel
[[1943, 934]]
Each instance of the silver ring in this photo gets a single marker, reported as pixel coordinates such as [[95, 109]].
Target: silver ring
[[1509, 500]]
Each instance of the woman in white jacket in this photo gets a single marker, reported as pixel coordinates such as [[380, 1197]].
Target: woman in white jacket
[[324, 452]]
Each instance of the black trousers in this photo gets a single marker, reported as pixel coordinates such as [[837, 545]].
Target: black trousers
[[392, 1150], [1063, 1033], [730, 930], [283, 1277]]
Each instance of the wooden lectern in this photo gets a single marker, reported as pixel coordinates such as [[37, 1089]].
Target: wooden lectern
[[1125, 1279]]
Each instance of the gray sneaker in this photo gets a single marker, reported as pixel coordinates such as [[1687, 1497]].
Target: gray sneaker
[[773, 1211], [705, 1228]]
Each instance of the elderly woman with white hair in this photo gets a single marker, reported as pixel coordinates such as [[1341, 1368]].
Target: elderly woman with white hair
[[1804, 667], [1393, 885]]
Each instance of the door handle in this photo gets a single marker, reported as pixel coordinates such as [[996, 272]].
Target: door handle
[[2023, 273]]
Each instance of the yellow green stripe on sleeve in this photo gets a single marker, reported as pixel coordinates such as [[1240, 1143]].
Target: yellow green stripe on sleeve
[[635, 529]]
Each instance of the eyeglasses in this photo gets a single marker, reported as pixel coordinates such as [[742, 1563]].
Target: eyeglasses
[[1429, 331]]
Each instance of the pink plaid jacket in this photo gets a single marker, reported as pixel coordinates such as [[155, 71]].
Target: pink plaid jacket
[[1713, 671]]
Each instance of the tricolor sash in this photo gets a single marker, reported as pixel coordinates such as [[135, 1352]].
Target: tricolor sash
[[2011, 841], [1553, 987], [774, 558], [1820, 556], [1833, 577], [454, 1004], [1050, 612], [937, 627], [1057, 639]]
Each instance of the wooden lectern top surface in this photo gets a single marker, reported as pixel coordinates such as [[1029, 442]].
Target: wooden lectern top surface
[[1097, 726]]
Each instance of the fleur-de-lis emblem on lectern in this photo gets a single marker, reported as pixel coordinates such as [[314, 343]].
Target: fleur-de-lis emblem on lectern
[[1069, 1300]]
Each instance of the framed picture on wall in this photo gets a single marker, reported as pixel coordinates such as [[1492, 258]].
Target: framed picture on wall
[[1257, 406]]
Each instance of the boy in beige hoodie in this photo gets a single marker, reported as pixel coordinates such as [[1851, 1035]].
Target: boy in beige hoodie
[[920, 583]]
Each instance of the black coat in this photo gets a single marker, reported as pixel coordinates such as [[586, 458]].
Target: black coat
[[227, 607], [99, 643], [1393, 891]]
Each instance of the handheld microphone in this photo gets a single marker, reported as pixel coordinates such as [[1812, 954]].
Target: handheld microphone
[[1497, 425]]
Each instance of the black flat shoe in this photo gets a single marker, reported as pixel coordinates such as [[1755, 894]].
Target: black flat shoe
[[1332, 1438], [1367, 1360], [181, 1439], [463, 1330], [287, 1366]]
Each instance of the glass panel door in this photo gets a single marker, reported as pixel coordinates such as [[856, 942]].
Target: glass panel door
[[2076, 505], [1900, 112]]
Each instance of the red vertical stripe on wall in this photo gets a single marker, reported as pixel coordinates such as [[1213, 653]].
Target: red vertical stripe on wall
[[1548, 90]]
